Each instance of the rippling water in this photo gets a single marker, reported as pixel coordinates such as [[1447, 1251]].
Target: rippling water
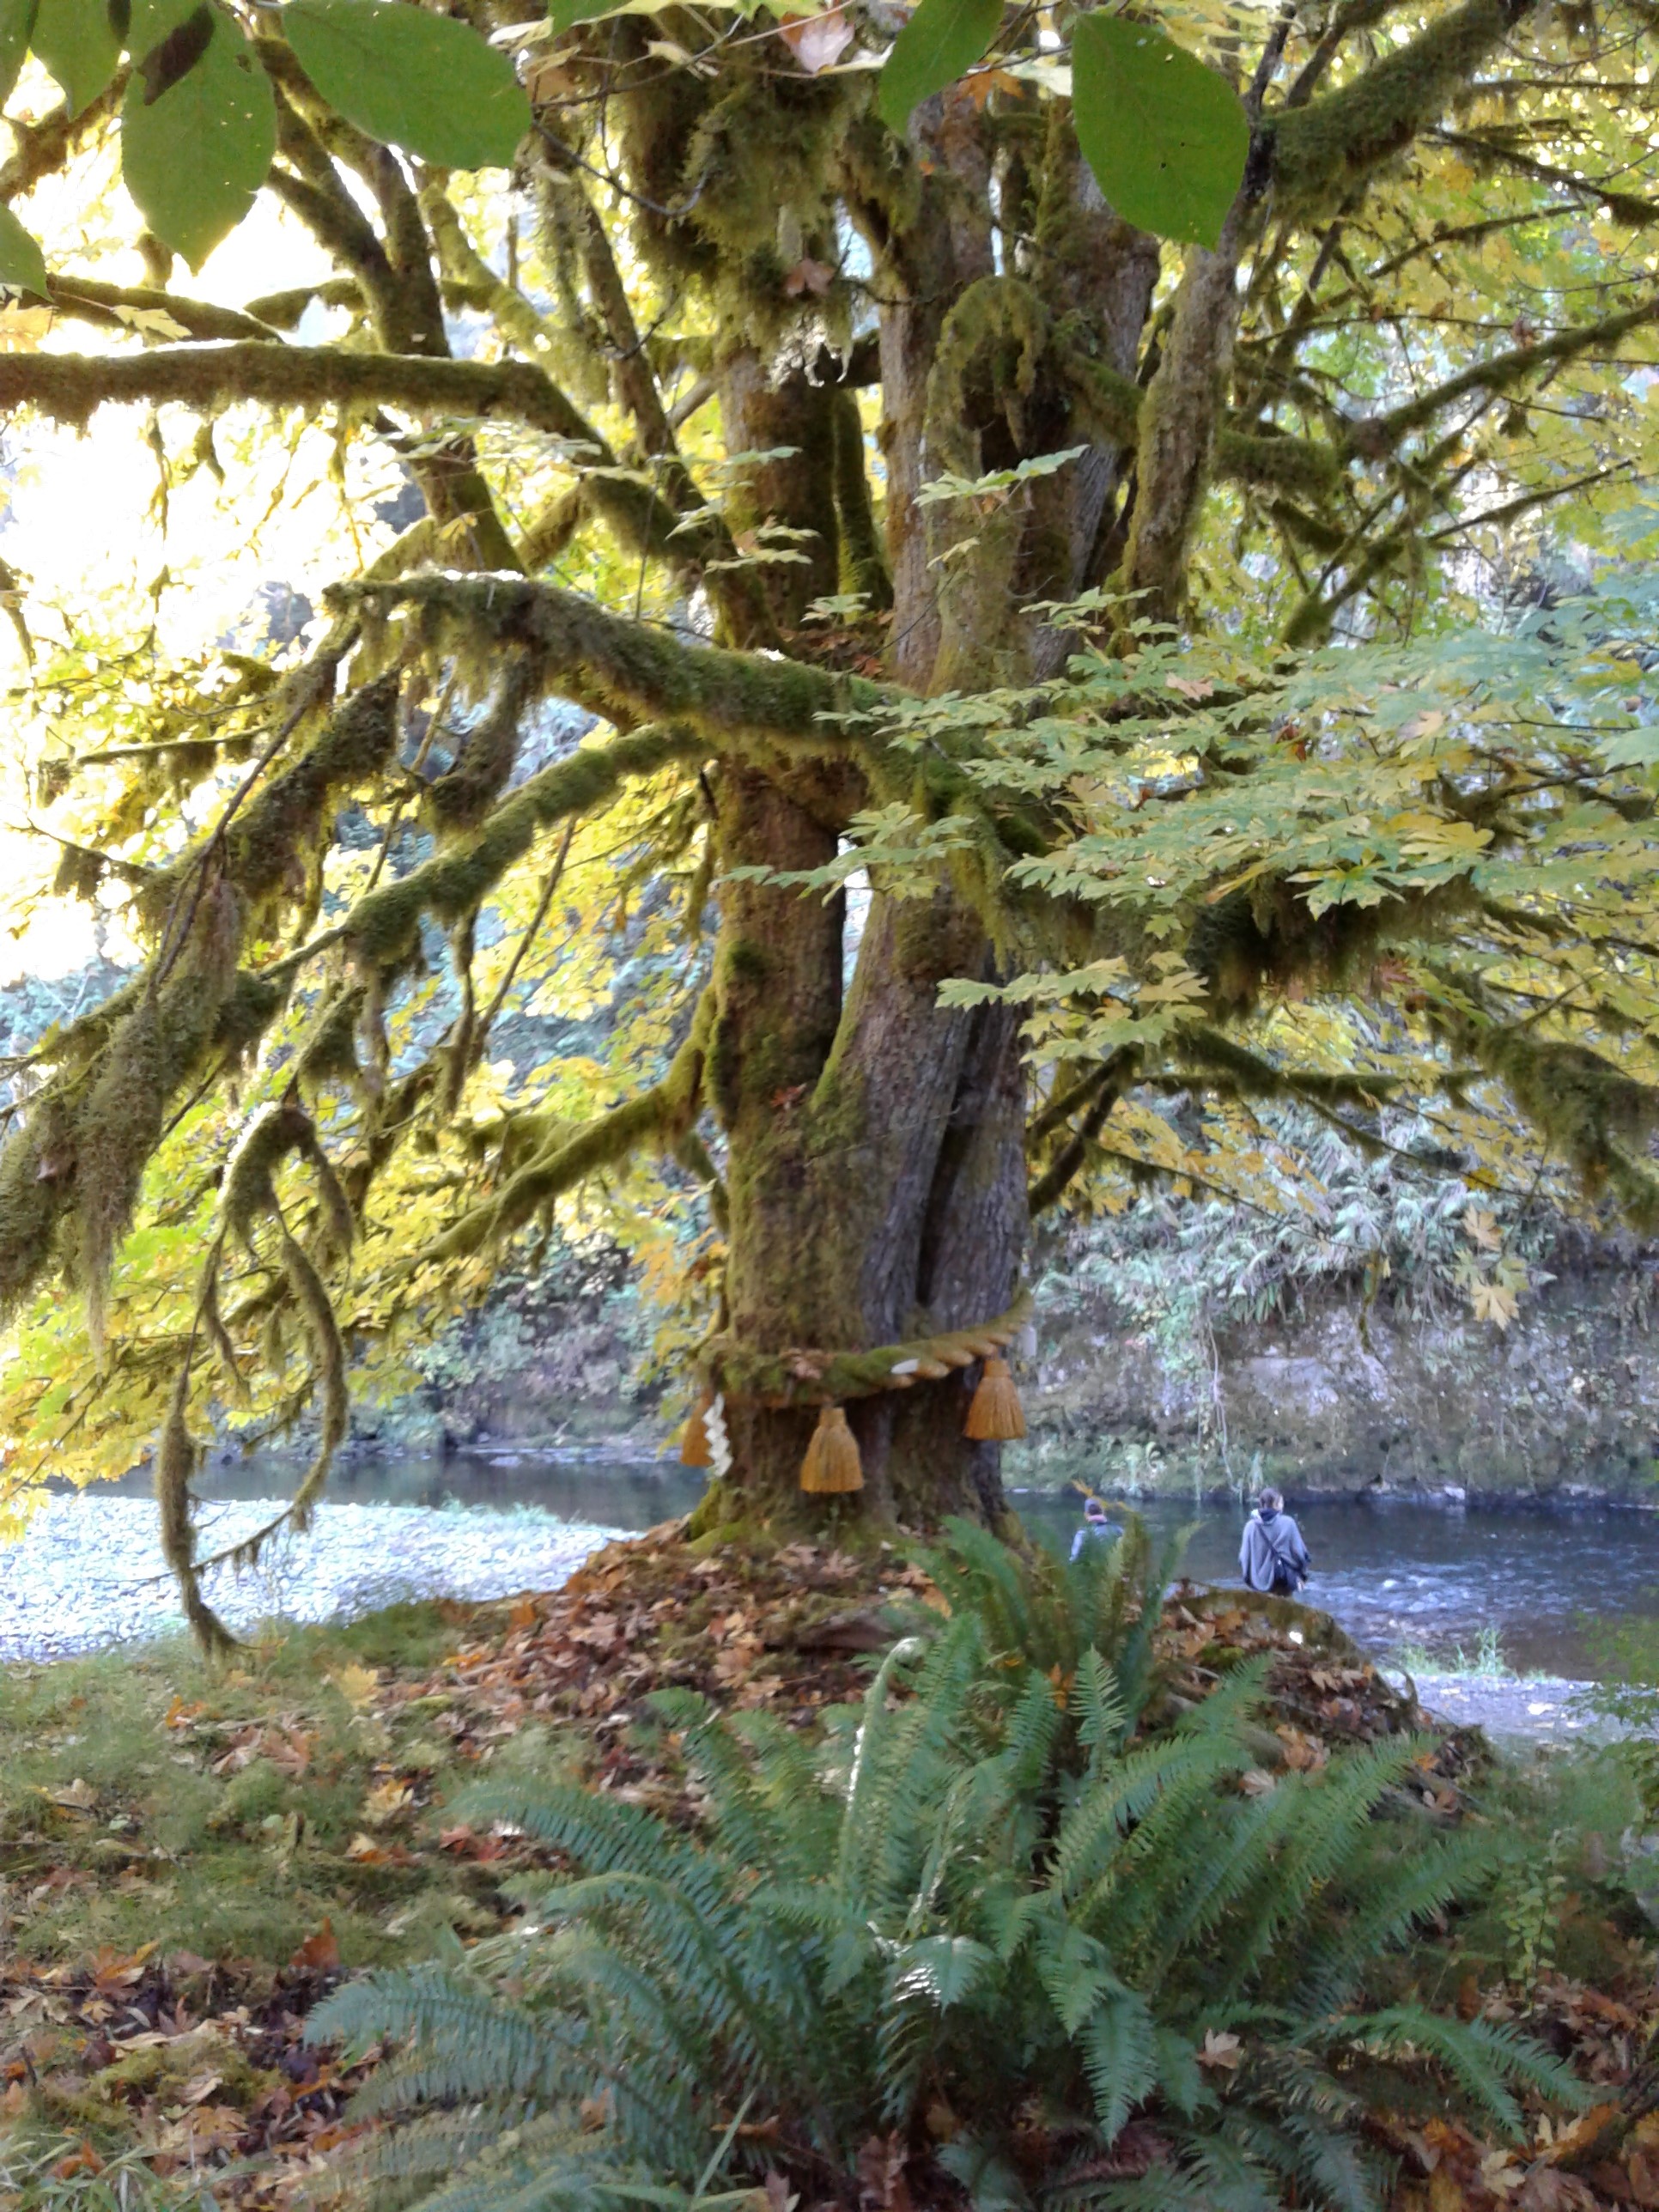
[[1395, 1574]]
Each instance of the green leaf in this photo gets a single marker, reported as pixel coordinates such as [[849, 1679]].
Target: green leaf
[[412, 79], [564, 15], [79, 45], [941, 41], [16, 23], [199, 124], [21, 261], [1166, 136], [1632, 747]]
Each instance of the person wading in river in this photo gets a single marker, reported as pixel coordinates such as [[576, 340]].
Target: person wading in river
[[1096, 1529], [1272, 1556]]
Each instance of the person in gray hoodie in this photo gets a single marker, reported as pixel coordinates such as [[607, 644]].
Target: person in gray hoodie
[[1272, 1556]]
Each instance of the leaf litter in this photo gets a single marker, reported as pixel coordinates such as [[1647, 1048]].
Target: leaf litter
[[199, 2066]]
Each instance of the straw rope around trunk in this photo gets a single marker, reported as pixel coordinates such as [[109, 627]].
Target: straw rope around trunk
[[802, 1376]]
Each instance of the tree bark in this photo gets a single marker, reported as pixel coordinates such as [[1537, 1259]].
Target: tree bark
[[875, 1161]]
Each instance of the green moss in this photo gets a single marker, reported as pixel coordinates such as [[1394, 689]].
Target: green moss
[[1323, 150], [743, 961], [1297, 464]]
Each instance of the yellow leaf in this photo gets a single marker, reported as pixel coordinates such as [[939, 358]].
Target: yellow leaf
[[356, 1685], [1482, 1228], [1492, 1301], [386, 1800]]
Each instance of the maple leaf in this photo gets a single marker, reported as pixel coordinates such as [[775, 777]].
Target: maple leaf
[[386, 1800], [22, 329], [1492, 1301], [356, 1685], [1220, 2049], [1482, 1228]]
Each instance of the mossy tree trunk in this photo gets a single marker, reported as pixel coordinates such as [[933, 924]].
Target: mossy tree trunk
[[877, 1178]]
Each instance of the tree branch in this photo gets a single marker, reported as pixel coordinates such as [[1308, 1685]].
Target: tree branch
[[1503, 370], [615, 665], [79, 297]]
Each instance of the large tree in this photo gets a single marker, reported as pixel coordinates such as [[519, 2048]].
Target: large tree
[[892, 503]]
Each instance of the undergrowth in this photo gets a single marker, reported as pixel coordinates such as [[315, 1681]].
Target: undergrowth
[[992, 1930]]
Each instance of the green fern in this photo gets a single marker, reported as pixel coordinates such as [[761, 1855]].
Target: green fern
[[993, 1891]]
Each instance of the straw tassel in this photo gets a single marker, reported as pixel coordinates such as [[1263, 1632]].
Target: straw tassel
[[831, 1467], [694, 1437], [995, 1415]]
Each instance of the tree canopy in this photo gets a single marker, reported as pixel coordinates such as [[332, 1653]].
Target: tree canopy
[[1161, 503]]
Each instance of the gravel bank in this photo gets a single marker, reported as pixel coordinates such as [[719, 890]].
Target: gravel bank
[[88, 1571], [1541, 1707]]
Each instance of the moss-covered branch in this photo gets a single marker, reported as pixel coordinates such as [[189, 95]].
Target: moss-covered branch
[[1112, 405], [72, 387], [79, 297], [1323, 152], [1502, 372], [42, 148], [616, 664], [383, 925], [1104, 1088]]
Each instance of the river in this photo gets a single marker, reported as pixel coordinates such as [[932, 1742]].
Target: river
[[1540, 1586]]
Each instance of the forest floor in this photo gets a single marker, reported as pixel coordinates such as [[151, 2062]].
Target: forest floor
[[192, 1855]]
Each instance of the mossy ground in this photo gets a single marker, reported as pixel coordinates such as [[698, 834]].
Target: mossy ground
[[150, 1798]]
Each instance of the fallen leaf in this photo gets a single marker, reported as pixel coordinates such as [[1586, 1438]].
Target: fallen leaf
[[356, 1685], [319, 1953], [76, 1797], [1220, 2049], [386, 1800]]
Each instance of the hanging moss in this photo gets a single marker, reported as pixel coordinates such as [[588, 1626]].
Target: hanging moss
[[175, 1464], [1591, 1110], [150, 1056], [328, 1053], [252, 1004], [460, 799], [328, 1365], [37, 1171]]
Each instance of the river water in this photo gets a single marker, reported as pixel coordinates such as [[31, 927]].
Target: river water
[[1541, 1586]]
